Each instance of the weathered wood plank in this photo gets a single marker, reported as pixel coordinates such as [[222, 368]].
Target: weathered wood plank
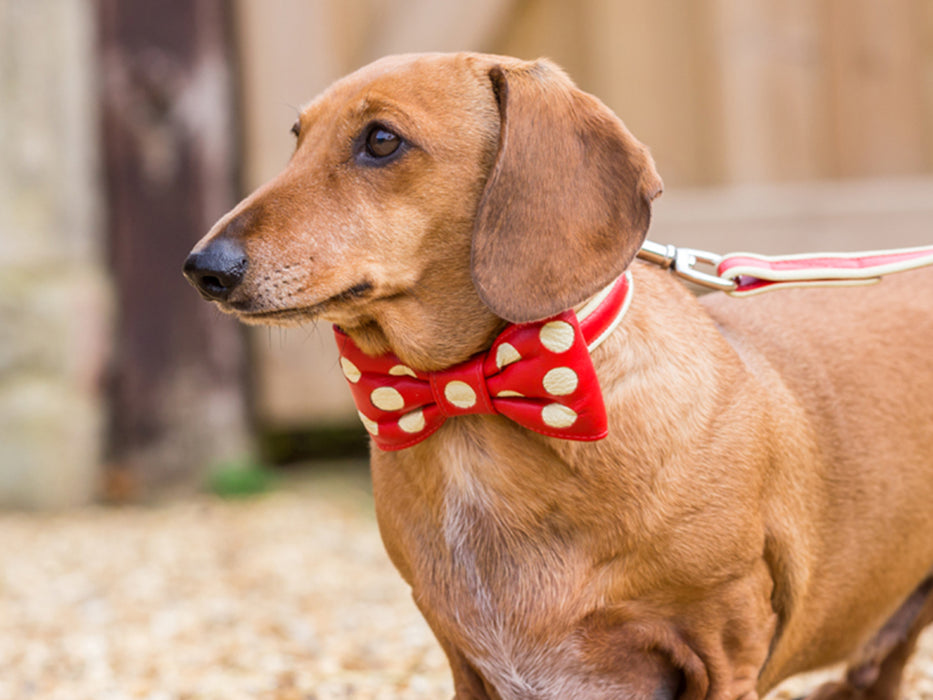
[[179, 368]]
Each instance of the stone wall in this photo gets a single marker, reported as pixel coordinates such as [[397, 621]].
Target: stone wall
[[54, 291]]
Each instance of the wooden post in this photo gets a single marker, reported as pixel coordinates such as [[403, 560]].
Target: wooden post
[[54, 291], [179, 371]]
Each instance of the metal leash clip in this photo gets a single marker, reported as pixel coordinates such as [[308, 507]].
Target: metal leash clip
[[683, 263]]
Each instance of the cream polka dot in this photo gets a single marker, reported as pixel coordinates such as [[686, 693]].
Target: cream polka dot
[[412, 422], [460, 394], [560, 381], [506, 354], [402, 370], [506, 393], [557, 336], [387, 398], [350, 370], [558, 416], [371, 426]]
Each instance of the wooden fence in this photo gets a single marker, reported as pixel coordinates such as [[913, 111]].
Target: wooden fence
[[723, 91]]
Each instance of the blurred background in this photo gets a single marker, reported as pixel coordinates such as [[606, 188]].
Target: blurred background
[[128, 126]]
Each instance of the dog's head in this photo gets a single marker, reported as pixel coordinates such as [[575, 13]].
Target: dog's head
[[429, 199]]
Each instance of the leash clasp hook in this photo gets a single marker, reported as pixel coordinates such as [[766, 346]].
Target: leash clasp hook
[[683, 262]]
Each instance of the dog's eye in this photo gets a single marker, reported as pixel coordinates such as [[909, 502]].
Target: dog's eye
[[382, 143], [296, 128]]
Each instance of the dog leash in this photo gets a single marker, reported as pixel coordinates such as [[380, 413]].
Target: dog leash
[[744, 274]]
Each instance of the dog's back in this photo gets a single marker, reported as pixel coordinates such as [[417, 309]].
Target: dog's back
[[855, 355]]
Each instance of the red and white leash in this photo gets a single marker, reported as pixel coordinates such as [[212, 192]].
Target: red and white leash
[[743, 274]]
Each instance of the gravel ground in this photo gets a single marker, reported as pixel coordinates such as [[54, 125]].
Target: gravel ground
[[286, 596]]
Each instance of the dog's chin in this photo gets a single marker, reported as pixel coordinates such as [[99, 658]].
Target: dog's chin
[[256, 315], [366, 332], [340, 308], [287, 318]]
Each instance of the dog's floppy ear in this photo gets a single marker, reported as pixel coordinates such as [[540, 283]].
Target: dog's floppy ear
[[567, 202]]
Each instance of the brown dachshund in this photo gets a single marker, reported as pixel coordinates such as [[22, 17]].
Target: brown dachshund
[[761, 505]]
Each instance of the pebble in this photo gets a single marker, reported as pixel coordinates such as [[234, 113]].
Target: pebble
[[286, 596]]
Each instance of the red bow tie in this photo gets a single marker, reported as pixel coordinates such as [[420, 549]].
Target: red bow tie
[[539, 375]]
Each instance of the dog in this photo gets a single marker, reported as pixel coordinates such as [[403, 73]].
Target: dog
[[760, 504]]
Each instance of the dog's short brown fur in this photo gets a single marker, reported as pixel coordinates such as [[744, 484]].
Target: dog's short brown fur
[[762, 505]]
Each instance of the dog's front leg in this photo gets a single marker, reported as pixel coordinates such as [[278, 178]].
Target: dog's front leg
[[468, 683]]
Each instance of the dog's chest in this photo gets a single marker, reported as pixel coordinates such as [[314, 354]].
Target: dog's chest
[[499, 587]]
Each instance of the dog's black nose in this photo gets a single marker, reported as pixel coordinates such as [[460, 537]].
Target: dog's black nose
[[217, 269]]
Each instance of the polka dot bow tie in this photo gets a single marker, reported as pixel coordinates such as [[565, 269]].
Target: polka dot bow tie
[[539, 375]]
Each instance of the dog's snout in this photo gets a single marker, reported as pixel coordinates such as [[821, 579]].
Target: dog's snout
[[217, 269]]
